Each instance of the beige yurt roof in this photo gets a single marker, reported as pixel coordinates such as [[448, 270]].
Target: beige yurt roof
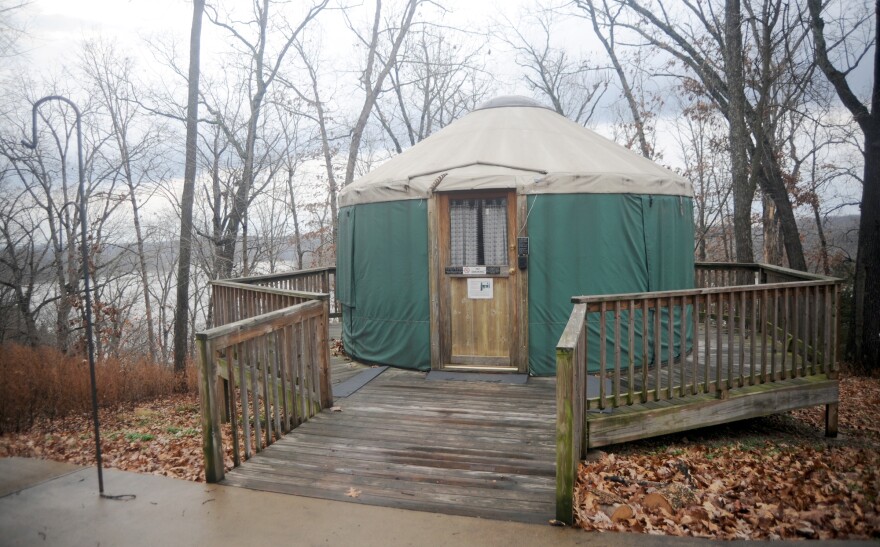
[[514, 142]]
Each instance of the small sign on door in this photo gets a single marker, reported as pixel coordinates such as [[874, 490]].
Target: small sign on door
[[480, 288]]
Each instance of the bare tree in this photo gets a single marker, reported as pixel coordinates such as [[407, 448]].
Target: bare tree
[[137, 148], [703, 144], [22, 266], [11, 28], [376, 69], [700, 45], [263, 72], [863, 346], [438, 77], [607, 18]]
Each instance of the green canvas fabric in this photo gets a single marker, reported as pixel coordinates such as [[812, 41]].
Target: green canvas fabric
[[606, 244], [345, 257], [669, 236], [384, 286]]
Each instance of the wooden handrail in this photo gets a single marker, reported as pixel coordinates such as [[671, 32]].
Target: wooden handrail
[[271, 290], [754, 266], [610, 298], [282, 275]]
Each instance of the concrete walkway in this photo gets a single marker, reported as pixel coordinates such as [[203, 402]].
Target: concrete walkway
[[47, 503]]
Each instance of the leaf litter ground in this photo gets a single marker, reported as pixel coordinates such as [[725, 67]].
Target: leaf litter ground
[[775, 477], [770, 478]]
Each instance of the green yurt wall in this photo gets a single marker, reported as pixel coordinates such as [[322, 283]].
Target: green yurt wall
[[591, 244], [382, 283]]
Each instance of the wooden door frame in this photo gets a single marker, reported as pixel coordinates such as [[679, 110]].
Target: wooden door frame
[[438, 206]]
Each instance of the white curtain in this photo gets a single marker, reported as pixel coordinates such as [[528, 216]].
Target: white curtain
[[463, 232], [495, 232]]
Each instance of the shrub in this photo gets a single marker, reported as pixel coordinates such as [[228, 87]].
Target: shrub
[[42, 382]]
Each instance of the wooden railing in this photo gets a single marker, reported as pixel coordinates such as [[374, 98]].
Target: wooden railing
[[729, 274], [265, 368], [314, 280], [661, 346]]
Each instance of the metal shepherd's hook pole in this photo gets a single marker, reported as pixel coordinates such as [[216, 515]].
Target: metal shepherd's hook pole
[[85, 264]]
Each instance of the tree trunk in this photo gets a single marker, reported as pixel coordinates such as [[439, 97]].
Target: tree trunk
[[772, 241], [863, 345], [771, 182], [743, 186], [181, 312], [297, 233], [823, 239], [863, 348]]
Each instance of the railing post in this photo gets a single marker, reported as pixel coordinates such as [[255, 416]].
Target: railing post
[[326, 390], [212, 441], [566, 463], [570, 396]]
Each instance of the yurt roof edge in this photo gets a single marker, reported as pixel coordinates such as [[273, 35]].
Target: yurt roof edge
[[534, 150]]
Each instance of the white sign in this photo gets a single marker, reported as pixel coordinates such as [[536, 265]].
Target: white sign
[[480, 288], [473, 270]]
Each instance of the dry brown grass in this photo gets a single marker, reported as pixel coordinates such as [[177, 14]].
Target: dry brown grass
[[44, 383]]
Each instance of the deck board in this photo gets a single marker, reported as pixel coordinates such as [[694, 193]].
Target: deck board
[[466, 448]]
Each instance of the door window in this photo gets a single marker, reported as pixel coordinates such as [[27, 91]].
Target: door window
[[478, 232]]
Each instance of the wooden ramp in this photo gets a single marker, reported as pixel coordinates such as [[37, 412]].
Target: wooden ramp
[[465, 448]]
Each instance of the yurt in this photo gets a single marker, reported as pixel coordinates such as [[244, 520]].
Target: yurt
[[463, 252]]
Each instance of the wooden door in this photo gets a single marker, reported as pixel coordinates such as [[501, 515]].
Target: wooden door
[[478, 280]]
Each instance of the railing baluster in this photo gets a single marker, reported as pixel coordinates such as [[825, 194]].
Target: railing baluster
[[631, 331], [796, 332], [682, 337], [815, 323], [617, 352], [742, 339], [785, 335], [670, 347], [731, 329], [233, 358], [263, 364], [645, 361], [826, 328], [277, 405], [244, 362], [707, 346], [695, 313], [281, 352], [835, 323], [763, 332], [753, 333], [602, 350], [658, 357], [719, 348]]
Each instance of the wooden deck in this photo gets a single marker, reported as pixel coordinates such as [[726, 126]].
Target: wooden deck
[[493, 450], [465, 448]]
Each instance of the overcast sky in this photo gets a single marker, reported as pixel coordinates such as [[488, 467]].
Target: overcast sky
[[56, 28]]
